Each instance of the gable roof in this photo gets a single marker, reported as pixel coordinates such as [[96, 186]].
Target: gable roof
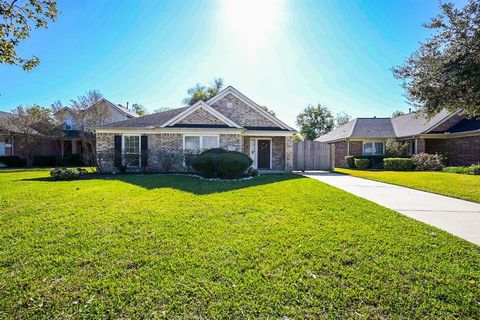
[[4, 114], [407, 125], [149, 121], [119, 107]]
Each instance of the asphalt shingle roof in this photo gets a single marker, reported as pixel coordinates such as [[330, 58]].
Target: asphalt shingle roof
[[154, 120]]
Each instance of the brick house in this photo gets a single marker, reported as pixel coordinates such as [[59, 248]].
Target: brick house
[[450, 134], [230, 120], [6, 139]]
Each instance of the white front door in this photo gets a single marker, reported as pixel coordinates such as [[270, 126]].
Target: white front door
[[253, 152]]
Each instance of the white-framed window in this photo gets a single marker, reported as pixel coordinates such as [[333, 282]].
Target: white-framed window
[[68, 124], [131, 150], [198, 143], [373, 148]]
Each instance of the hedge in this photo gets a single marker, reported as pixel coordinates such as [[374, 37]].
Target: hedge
[[398, 164], [362, 163], [220, 163], [13, 161], [474, 169]]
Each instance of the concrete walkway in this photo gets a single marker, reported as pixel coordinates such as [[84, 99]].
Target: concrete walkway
[[459, 217]]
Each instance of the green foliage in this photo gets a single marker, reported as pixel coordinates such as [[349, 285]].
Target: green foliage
[[342, 118], [474, 169], [315, 121], [175, 247], [13, 161], [252, 172], [450, 184], [296, 138], [394, 148], [66, 173], [44, 161], [350, 161], [444, 73], [398, 164], [220, 163], [203, 93], [362, 163], [397, 113], [427, 162], [139, 109], [17, 19]]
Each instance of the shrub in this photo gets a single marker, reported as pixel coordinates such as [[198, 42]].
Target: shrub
[[168, 160], [252, 172], [44, 161], [350, 161], [398, 164], [75, 159], [223, 164], [474, 169], [13, 161], [427, 162], [66, 173], [214, 151], [362, 163], [396, 148]]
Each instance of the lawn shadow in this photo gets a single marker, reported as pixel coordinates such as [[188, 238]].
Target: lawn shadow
[[182, 182]]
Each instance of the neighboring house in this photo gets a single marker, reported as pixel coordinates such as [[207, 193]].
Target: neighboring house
[[75, 123], [6, 140], [449, 134], [230, 120]]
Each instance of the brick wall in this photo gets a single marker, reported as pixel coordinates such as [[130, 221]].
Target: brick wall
[[341, 149], [356, 148], [240, 112], [449, 123], [282, 152], [201, 116], [459, 151], [231, 140]]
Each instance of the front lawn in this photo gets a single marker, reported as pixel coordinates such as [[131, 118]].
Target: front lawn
[[460, 186], [177, 247]]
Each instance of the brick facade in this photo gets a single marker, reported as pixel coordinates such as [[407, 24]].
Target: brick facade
[[341, 151], [201, 116], [458, 151], [282, 151], [355, 148]]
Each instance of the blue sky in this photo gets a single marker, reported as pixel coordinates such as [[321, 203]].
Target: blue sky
[[282, 54]]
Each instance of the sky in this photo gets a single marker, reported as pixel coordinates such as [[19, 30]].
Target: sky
[[282, 54]]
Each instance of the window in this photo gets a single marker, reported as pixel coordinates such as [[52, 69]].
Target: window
[[373, 148], [131, 150], [68, 124], [199, 143]]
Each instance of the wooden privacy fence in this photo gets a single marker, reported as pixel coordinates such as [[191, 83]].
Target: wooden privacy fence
[[312, 155]]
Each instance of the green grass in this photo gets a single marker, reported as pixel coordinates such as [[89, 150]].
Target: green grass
[[177, 247], [460, 186]]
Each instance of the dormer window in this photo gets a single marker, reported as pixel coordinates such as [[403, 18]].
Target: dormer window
[[68, 124]]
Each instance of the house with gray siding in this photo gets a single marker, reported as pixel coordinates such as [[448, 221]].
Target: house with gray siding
[[230, 120]]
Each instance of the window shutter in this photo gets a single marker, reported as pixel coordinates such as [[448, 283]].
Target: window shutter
[[144, 150], [118, 150]]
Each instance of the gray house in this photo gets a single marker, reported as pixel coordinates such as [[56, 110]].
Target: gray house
[[230, 120], [450, 134]]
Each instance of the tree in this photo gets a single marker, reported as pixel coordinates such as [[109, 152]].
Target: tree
[[444, 72], [394, 148], [342, 118], [29, 126], [18, 18], [203, 93], [315, 121], [297, 138], [139, 109], [397, 113]]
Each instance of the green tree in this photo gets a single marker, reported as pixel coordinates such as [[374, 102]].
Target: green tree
[[444, 72], [314, 121], [203, 93], [161, 109], [342, 118], [18, 18], [397, 113], [139, 109]]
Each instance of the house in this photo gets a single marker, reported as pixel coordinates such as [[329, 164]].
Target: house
[[75, 123], [450, 134], [6, 139], [230, 120]]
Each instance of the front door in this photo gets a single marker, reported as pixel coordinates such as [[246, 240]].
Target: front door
[[263, 154]]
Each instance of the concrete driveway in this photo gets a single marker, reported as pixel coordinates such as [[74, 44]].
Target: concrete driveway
[[459, 217]]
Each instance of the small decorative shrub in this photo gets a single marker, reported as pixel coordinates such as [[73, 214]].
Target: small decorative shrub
[[394, 148], [13, 161], [474, 169], [220, 163], [252, 172], [168, 160], [350, 161], [398, 164], [362, 163], [74, 160], [44, 161], [66, 173], [427, 162]]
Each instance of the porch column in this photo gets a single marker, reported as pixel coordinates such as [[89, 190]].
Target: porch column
[[74, 146]]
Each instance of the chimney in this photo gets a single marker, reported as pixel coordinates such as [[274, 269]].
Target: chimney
[[374, 117], [127, 105], [409, 110]]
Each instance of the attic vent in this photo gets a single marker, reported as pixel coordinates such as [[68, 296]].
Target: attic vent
[[229, 105]]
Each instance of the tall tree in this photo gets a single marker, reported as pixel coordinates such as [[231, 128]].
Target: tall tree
[[314, 121], [201, 92], [342, 118], [18, 18], [29, 126], [397, 113], [444, 72], [139, 109], [162, 109]]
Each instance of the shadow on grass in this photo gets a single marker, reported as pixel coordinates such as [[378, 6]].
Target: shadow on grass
[[181, 182]]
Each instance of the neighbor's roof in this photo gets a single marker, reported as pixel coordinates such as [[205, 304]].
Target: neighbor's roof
[[407, 125], [149, 121], [5, 114]]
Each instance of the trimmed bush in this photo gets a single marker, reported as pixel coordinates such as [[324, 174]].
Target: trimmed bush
[[474, 169], [252, 172], [75, 159], [220, 163], [398, 164], [427, 162], [44, 161], [13, 161], [350, 161], [66, 173], [362, 163]]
